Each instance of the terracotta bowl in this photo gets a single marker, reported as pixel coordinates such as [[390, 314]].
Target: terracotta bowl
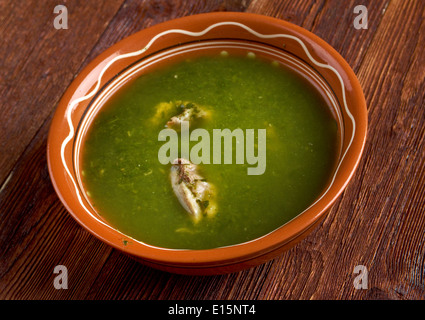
[[181, 38]]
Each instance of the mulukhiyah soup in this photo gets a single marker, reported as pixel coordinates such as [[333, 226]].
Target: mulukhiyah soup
[[131, 189]]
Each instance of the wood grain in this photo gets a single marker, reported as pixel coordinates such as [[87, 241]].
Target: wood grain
[[377, 222], [37, 62]]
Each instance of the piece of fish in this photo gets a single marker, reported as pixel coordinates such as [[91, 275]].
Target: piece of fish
[[178, 111], [190, 112], [195, 194], [163, 111]]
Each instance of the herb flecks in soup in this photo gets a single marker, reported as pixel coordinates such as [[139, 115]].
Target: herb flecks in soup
[[132, 190], [189, 112], [179, 111]]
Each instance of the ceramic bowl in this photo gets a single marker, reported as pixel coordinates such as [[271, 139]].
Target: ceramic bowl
[[164, 43]]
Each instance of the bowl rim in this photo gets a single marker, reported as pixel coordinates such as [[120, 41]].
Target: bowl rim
[[189, 258]]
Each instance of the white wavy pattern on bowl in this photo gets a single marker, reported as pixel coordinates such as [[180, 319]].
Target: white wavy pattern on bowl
[[71, 107]]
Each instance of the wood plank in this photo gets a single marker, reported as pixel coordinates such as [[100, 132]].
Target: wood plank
[[38, 62], [369, 202], [37, 233], [330, 20], [137, 15], [377, 222], [367, 224], [394, 84]]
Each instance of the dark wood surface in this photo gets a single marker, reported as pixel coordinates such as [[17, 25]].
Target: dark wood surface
[[378, 222]]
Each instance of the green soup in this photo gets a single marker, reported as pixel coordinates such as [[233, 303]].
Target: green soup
[[131, 189]]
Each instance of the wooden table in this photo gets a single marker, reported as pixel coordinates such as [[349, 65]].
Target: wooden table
[[378, 222]]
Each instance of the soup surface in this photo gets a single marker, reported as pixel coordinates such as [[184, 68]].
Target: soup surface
[[131, 189]]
